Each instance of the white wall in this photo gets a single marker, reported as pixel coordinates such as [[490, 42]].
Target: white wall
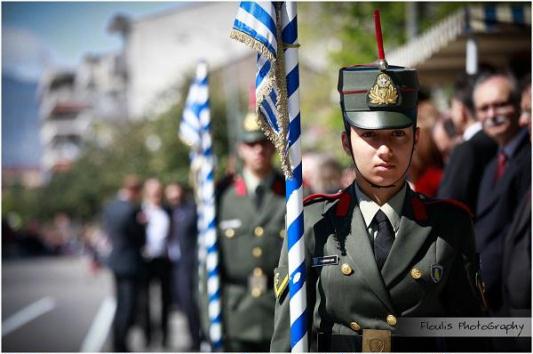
[[161, 50]]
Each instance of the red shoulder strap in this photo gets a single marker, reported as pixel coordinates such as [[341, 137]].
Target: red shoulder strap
[[318, 197], [342, 207]]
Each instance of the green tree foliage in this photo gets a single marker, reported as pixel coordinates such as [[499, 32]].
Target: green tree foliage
[[148, 148], [344, 31]]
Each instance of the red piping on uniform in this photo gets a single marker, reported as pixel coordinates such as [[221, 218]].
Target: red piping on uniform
[[343, 205], [419, 209], [240, 187], [277, 187]]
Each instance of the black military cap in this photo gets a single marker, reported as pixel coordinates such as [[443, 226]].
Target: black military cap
[[378, 97], [250, 129]]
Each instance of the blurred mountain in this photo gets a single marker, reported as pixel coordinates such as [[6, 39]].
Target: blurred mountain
[[21, 146]]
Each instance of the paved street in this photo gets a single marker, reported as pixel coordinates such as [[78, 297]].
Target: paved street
[[56, 305]]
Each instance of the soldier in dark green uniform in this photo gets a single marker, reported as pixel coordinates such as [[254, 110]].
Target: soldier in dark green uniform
[[251, 229], [377, 251]]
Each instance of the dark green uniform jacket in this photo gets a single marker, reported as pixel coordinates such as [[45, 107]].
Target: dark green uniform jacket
[[431, 271], [250, 240]]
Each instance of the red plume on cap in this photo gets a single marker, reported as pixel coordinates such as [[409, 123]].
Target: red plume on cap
[[379, 39]]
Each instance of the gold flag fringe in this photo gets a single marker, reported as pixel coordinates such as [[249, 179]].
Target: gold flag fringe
[[274, 79]]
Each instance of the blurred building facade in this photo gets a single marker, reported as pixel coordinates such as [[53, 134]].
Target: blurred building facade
[[72, 101], [139, 81], [162, 49]]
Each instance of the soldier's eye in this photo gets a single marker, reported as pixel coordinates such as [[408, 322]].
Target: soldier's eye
[[368, 134], [398, 133]]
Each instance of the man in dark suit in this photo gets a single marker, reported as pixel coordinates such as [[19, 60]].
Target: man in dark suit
[[124, 225], [516, 292], [463, 172], [506, 179], [183, 253]]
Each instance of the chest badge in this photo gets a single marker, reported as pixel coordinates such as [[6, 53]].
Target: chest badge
[[436, 272], [327, 260]]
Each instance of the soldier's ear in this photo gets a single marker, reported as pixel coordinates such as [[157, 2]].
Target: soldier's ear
[[417, 134], [346, 144]]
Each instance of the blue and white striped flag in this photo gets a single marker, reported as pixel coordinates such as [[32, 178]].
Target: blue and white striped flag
[[195, 130], [257, 26], [271, 29]]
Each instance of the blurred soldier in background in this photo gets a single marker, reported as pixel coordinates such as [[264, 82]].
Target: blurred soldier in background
[[462, 174], [124, 224], [184, 255], [251, 226], [159, 267]]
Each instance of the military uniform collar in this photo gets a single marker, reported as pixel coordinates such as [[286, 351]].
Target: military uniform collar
[[392, 209], [252, 181]]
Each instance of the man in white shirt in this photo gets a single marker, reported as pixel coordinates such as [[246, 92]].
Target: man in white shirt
[[158, 264]]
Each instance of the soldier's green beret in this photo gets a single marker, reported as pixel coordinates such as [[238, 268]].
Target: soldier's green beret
[[250, 129], [374, 97]]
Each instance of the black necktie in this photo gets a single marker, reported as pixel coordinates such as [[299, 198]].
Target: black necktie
[[384, 238], [259, 194]]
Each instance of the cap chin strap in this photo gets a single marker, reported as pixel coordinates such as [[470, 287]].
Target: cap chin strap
[[390, 185]]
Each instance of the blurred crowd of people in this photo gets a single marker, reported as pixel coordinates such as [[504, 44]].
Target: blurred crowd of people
[[152, 231]]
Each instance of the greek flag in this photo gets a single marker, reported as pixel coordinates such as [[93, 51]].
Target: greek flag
[[195, 130], [271, 29], [257, 26]]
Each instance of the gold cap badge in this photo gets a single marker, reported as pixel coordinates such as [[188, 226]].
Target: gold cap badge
[[383, 92]]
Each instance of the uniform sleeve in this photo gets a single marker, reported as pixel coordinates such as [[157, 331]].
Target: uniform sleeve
[[464, 296], [280, 341]]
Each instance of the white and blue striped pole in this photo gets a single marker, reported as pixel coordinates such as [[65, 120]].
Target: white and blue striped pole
[[196, 129], [271, 29], [293, 186], [207, 190]]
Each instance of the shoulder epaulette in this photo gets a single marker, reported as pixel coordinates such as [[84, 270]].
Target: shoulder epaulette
[[222, 184], [453, 202], [278, 185], [343, 197], [318, 197]]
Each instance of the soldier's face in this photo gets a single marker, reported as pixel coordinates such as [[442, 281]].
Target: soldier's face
[[382, 156], [495, 109], [257, 156]]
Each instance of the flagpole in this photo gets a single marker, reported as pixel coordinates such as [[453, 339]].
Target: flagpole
[[270, 28], [294, 184], [197, 120]]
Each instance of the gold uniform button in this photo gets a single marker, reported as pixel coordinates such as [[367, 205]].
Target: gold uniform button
[[416, 273], [391, 320], [282, 233], [259, 231], [346, 269], [258, 272], [229, 233], [257, 252], [256, 292], [355, 326]]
